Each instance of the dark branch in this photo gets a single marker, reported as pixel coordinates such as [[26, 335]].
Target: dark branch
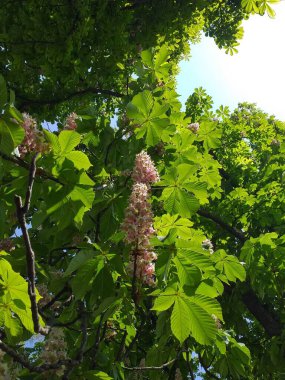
[[17, 357], [32, 174], [83, 312], [19, 162], [26, 364], [206, 368], [55, 298], [30, 255], [26, 102], [232, 230], [272, 326]]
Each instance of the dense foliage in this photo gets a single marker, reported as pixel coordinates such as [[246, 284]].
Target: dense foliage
[[138, 241], [56, 54]]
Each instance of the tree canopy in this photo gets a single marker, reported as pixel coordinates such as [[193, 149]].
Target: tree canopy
[[141, 239]]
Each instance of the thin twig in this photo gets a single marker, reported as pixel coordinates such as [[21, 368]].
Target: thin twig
[[134, 279], [188, 361], [32, 175], [80, 354], [55, 298], [121, 348], [206, 368], [151, 368], [82, 310], [30, 255]]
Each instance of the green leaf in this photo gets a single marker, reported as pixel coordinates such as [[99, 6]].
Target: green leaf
[[210, 305], [84, 194], [13, 283], [161, 57], [201, 323], [97, 375], [210, 134], [181, 320], [79, 159], [179, 201], [207, 290], [229, 265], [11, 135], [141, 106], [187, 273], [165, 300], [15, 290], [68, 140], [84, 278], [53, 141], [78, 261], [195, 257]]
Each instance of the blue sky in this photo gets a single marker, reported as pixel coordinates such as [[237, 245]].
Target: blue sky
[[255, 74]]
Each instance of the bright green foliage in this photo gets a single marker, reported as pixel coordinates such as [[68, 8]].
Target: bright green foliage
[[217, 308]]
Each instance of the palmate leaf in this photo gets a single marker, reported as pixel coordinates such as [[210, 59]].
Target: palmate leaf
[[149, 115], [210, 134], [195, 257], [15, 297], [190, 318], [166, 223], [179, 201], [190, 315], [13, 283], [165, 300], [229, 265]]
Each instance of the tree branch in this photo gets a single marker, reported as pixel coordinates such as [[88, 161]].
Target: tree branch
[[152, 368], [19, 162], [26, 102], [206, 368], [232, 230], [272, 326], [30, 255], [55, 298], [26, 364], [17, 357]]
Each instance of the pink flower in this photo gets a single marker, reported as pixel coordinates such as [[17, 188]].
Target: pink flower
[[70, 123], [144, 170], [34, 139], [138, 222]]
